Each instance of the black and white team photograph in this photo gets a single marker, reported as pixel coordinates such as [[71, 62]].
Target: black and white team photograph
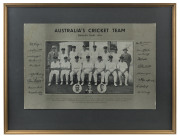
[[89, 67]]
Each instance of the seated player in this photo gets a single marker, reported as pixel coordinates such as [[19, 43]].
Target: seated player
[[55, 66], [65, 69], [99, 69], [76, 69], [122, 68], [111, 69], [87, 68]]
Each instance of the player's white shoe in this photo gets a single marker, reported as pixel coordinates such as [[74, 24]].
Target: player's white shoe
[[71, 83], [89, 83], [56, 83], [95, 83], [120, 84], [66, 83], [82, 83], [115, 84], [126, 84], [49, 84], [61, 83]]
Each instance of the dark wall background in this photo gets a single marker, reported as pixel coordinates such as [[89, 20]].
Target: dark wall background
[[20, 119]]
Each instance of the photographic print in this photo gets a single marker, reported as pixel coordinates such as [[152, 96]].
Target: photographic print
[[88, 64]]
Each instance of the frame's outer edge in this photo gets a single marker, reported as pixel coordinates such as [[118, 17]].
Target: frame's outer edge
[[89, 132], [5, 70], [174, 68], [7, 131], [89, 4]]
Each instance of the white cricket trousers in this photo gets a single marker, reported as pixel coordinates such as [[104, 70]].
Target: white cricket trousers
[[66, 73], [120, 77], [107, 76], [73, 72], [53, 72], [84, 73], [96, 72]]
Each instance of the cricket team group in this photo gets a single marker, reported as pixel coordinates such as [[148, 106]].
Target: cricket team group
[[92, 63]]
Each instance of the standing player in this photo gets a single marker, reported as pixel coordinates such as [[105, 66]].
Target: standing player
[[62, 55], [122, 70], [76, 69], [84, 53], [72, 54], [87, 68], [94, 54], [105, 55], [115, 56], [111, 69], [55, 66], [99, 69], [51, 54], [65, 69], [127, 57]]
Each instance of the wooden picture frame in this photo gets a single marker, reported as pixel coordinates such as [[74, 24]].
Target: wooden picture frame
[[41, 5]]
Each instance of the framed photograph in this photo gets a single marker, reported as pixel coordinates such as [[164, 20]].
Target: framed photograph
[[89, 68]]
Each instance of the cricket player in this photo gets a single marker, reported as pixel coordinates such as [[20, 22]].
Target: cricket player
[[99, 69], [62, 55], [55, 66], [115, 56], [94, 54], [51, 54], [127, 57], [65, 69], [122, 68], [84, 53], [87, 68], [73, 53], [105, 55], [76, 67], [111, 69]]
